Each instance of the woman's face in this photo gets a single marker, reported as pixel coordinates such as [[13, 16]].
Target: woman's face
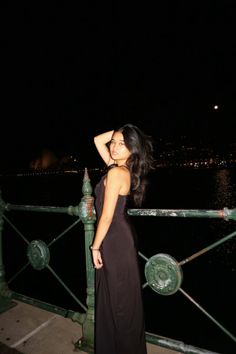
[[118, 150]]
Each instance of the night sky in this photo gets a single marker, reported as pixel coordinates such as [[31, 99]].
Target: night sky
[[161, 67]]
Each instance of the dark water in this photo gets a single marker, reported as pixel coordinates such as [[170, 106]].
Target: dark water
[[208, 279]]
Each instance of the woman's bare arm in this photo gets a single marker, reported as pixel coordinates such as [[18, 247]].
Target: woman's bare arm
[[114, 182], [100, 143]]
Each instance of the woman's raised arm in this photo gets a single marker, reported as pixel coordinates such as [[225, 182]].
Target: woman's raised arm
[[100, 142]]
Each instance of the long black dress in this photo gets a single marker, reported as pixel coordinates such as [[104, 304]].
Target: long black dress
[[119, 318]]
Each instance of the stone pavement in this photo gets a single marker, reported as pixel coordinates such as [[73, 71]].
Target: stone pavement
[[26, 329]]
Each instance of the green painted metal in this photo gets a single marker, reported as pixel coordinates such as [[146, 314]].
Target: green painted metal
[[45, 209], [175, 345], [66, 287], [226, 214], [15, 229], [208, 315], [38, 254], [39, 257], [142, 256], [163, 274], [206, 249], [17, 273], [64, 232], [88, 216], [5, 293], [49, 307]]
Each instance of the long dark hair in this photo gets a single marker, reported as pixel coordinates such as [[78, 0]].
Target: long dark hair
[[141, 160]]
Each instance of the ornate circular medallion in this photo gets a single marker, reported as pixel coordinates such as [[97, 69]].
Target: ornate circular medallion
[[38, 254], [163, 274]]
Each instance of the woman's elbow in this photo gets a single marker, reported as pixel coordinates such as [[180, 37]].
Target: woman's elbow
[[106, 219]]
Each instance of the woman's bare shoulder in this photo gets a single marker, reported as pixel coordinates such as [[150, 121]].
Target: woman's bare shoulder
[[118, 171], [120, 177]]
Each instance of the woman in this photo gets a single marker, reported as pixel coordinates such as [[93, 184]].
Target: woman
[[119, 310]]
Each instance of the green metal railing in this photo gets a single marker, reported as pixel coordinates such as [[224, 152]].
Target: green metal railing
[[38, 254], [162, 272]]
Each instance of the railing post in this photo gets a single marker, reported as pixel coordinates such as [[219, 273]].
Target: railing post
[[88, 217], [5, 293]]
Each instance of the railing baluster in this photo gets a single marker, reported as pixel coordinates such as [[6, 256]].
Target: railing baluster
[[5, 293]]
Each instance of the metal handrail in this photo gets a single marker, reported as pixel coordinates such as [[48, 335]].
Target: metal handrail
[[39, 257], [85, 212], [163, 273]]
